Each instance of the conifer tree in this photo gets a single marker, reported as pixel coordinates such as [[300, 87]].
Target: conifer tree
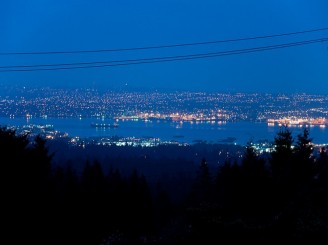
[[303, 167], [281, 157]]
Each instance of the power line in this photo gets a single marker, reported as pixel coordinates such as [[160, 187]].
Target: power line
[[167, 57], [166, 46], [98, 64]]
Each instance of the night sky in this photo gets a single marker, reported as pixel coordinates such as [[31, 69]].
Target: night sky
[[62, 25]]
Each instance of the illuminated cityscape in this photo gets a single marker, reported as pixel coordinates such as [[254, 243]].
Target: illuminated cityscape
[[293, 110], [175, 106]]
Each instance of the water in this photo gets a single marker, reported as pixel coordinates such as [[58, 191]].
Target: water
[[167, 131]]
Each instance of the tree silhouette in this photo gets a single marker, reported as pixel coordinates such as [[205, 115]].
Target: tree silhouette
[[203, 186], [26, 174], [45, 205], [304, 161], [322, 165], [282, 154], [139, 208], [254, 184]]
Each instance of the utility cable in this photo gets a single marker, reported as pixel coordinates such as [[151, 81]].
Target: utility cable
[[166, 46], [84, 65]]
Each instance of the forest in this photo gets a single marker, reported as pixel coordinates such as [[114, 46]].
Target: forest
[[262, 199]]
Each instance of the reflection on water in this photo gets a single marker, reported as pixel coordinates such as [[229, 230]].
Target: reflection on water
[[188, 132]]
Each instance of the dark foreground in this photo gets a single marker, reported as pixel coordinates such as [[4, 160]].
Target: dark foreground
[[278, 198]]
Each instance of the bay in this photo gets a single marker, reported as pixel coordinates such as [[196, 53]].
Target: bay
[[186, 132]]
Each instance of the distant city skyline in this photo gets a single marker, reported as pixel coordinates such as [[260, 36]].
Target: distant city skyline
[[44, 102], [39, 26], [88, 112]]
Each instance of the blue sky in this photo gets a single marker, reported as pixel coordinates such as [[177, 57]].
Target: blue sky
[[63, 25]]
